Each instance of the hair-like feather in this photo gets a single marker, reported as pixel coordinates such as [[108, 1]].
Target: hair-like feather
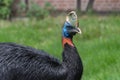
[[25, 63]]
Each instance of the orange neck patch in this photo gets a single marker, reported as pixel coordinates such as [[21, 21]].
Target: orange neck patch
[[68, 41]]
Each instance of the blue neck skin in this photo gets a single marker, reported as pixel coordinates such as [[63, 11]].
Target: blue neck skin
[[65, 33]]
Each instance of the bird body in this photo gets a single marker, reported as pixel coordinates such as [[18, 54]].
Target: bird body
[[25, 63]]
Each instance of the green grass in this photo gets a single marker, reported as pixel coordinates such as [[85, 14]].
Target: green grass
[[99, 44]]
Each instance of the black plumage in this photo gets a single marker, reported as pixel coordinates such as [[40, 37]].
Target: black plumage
[[25, 63]]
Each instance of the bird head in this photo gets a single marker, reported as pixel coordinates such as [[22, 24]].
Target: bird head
[[70, 27]]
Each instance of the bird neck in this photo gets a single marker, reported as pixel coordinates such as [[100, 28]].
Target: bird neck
[[73, 62], [67, 41]]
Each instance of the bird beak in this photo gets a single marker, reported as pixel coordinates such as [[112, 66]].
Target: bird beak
[[72, 18], [77, 26], [75, 30], [79, 31]]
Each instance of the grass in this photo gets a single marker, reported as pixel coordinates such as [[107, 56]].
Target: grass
[[99, 45]]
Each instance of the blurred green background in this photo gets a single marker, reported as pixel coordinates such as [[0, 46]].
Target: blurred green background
[[98, 45]]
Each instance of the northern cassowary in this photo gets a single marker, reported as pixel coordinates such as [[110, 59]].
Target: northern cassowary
[[25, 63]]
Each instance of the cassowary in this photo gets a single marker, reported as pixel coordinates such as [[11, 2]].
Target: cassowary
[[25, 63]]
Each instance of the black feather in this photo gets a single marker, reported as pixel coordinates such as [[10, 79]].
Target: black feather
[[25, 63]]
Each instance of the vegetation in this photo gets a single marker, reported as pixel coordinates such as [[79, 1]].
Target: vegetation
[[9, 10], [99, 44], [5, 8], [37, 12]]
